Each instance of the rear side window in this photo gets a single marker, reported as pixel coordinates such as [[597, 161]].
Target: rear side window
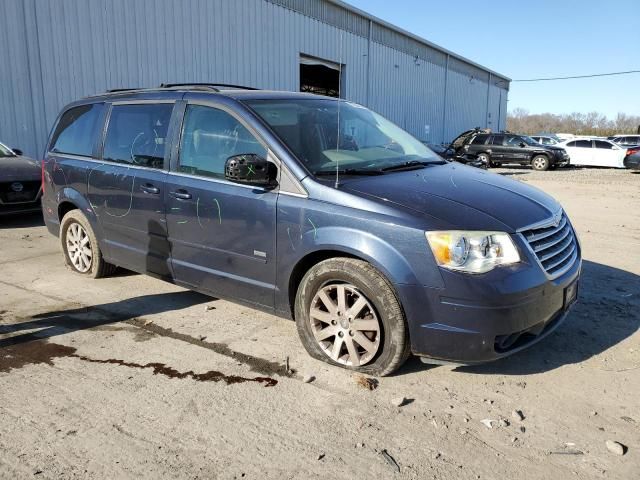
[[480, 139], [76, 132], [582, 144], [136, 134], [209, 137], [497, 140], [601, 144]]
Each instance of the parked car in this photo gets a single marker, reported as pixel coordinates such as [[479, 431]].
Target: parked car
[[591, 152], [626, 140], [311, 208], [544, 140], [444, 150], [20, 180], [447, 152], [495, 149], [632, 159]]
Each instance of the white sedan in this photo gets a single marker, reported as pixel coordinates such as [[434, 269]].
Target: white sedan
[[594, 152]]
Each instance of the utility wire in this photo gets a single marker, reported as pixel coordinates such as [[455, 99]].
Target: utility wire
[[576, 76]]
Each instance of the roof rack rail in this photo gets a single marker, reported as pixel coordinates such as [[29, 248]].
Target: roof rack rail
[[212, 86], [115, 90]]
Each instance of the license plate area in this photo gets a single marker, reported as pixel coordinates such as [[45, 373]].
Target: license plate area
[[570, 294], [14, 197]]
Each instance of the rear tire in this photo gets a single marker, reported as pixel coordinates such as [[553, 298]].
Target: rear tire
[[80, 246], [370, 335], [540, 163]]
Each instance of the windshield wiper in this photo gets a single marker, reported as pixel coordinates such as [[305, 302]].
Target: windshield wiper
[[348, 171], [412, 165]]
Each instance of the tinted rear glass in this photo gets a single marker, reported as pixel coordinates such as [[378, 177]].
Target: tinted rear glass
[[601, 144], [497, 140], [136, 134], [480, 139], [76, 132]]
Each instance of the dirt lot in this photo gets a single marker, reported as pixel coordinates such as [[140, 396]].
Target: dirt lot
[[129, 377]]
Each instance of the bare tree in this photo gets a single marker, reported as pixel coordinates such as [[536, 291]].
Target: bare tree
[[592, 123]]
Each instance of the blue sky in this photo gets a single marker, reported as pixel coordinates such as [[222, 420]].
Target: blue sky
[[531, 39]]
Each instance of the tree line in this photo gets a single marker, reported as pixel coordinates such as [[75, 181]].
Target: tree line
[[521, 121]]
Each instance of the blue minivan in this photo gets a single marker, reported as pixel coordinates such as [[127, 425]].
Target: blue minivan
[[315, 209]]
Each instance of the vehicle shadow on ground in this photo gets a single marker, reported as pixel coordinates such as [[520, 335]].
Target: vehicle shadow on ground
[[60, 322], [25, 220], [607, 312]]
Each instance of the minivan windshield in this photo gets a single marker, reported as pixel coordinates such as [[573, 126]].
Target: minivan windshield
[[328, 135]]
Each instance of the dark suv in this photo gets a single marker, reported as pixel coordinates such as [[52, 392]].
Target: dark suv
[[311, 208], [495, 149]]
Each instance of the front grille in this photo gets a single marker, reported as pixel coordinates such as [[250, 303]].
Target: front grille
[[555, 246], [28, 192]]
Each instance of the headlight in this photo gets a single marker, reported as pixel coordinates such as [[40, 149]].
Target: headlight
[[472, 252]]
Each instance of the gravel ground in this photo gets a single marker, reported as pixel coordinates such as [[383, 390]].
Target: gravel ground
[[130, 377], [574, 175]]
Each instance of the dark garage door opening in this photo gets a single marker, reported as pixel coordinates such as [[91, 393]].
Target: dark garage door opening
[[319, 77]]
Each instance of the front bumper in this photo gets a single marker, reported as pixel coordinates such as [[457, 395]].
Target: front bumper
[[20, 208], [475, 320], [562, 160]]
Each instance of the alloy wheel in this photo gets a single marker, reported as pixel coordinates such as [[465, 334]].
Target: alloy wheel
[[539, 163], [79, 247], [345, 324]]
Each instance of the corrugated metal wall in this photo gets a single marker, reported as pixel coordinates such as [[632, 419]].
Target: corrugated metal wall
[[59, 51]]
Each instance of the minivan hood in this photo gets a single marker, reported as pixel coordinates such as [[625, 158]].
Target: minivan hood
[[18, 168], [460, 197]]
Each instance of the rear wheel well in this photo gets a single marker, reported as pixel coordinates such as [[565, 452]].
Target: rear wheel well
[[303, 266], [64, 208]]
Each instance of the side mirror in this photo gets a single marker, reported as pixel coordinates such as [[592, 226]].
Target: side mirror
[[251, 169], [522, 144], [17, 151]]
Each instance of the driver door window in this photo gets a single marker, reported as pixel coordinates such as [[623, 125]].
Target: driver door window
[[514, 141], [136, 134], [209, 137]]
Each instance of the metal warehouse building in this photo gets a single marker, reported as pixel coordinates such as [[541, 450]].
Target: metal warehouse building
[[54, 52]]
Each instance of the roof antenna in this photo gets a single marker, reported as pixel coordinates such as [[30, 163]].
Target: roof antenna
[[339, 101]]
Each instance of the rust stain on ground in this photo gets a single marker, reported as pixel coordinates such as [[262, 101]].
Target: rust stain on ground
[[41, 352]]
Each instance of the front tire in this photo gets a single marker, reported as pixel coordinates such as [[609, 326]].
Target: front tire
[[484, 158], [80, 246], [348, 315], [540, 163]]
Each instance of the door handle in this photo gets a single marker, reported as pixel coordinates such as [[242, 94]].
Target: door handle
[[180, 194], [148, 188]]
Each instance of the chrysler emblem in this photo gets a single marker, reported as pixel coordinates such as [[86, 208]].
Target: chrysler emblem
[[17, 187]]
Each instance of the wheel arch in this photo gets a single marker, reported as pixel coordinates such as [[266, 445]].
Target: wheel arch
[[388, 263], [543, 153]]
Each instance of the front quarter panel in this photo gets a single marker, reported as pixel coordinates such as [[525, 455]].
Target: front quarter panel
[[307, 226]]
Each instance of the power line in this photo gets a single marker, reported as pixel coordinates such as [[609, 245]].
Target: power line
[[576, 76]]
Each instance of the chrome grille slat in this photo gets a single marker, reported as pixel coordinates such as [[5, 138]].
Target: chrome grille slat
[[560, 270], [555, 247], [560, 246], [539, 236], [557, 262], [544, 246]]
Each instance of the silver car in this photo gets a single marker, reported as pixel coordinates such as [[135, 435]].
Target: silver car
[[20, 182]]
